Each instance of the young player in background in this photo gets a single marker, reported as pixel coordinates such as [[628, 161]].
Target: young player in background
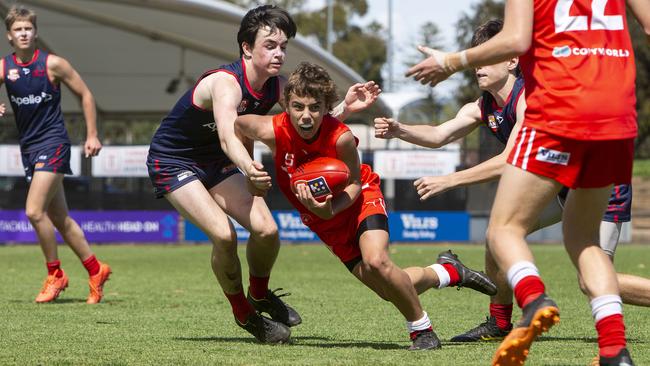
[[33, 80], [571, 63], [196, 162], [354, 223], [501, 109]]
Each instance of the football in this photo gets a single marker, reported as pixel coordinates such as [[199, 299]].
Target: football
[[323, 176]]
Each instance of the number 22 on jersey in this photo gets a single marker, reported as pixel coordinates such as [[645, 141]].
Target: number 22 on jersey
[[564, 22]]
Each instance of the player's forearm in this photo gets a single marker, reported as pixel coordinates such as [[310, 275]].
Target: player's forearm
[[486, 171], [421, 135], [340, 112], [345, 199], [90, 114], [236, 152]]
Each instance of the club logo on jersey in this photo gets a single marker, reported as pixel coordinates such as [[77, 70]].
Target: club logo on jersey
[[553, 156], [13, 75], [242, 106], [184, 175], [318, 186], [492, 123], [564, 51], [31, 99], [289, 163], [212, 126]]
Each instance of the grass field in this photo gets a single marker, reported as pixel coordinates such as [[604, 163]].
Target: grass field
[[163, 306]]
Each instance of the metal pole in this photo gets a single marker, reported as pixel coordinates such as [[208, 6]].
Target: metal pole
[[390, 46], [330, 25]]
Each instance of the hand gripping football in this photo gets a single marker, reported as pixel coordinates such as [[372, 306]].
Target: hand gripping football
[[323, 176]]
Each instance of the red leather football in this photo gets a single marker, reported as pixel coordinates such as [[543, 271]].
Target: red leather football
[[323, 176]]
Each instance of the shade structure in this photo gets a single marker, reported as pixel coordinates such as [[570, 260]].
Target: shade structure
[[139, 56]]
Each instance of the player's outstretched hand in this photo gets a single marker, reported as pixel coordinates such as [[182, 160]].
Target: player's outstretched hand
[[259, 181], [360, 96], [428, 187], [433, 69], [3, 109], [320, 209], [92, 146], [386, 128]]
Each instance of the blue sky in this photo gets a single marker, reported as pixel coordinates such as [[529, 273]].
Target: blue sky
[[408, 17]]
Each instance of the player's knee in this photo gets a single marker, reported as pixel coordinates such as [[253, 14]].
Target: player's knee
[[267, 232], [35, 215], [378, 264], [223, 239]]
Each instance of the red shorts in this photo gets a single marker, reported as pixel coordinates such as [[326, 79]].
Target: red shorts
[[573, 163], [340, 235]]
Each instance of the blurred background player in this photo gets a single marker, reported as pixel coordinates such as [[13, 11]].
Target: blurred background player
[[198, 163], [33, 80], [572, 64], [501, 109], [354, 224]]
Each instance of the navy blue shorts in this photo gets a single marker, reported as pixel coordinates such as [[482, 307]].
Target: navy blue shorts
[[170, 173], [620, 203], [53, 158]]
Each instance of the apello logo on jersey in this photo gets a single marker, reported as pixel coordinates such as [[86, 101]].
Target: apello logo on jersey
[[31, 99]]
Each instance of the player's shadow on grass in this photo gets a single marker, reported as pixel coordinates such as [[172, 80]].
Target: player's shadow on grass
[[65, 301], [305, 341]]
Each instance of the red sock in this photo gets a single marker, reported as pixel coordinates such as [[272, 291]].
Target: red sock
[[92, 265], [503, 314], [454, 277], [528, 289], [611, 335], [259, 286], [53, 267], [240, 306]]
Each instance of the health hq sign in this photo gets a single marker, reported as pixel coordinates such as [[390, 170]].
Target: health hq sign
[[100, 226], [428, 226]]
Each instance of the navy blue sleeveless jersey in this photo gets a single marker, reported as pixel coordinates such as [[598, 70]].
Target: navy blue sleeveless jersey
[[500, 121], [190, 131], [36, 102]]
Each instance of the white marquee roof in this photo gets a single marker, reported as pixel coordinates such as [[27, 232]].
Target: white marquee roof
[[127, 51]]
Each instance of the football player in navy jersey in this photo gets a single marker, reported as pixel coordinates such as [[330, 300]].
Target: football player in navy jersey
[[33, 80], [501, 109], [204, 169]]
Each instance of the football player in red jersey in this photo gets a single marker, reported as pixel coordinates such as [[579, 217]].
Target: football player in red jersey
[[501, 108], [573, 58], [353, 223]]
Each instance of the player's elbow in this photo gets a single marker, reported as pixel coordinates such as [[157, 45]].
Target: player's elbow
[[518, 44]]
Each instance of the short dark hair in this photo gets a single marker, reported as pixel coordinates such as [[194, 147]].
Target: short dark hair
[[264, 16], [19, 12], [311, 80], [486, 31]]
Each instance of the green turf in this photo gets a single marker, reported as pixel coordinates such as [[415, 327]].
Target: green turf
[[163, 306], [641, 168]]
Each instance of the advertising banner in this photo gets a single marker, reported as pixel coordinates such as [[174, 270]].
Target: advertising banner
[[11, 163], [121, 161], [289, 225], [413, 164], [100, 226], [428, 226]]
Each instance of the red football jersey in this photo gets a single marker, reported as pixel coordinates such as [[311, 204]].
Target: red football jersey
[[579, 71], [291, 150]]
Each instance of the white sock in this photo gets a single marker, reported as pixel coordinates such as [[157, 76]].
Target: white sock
[[443, 275], [519, 271], [421, 324], [606, 305]]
